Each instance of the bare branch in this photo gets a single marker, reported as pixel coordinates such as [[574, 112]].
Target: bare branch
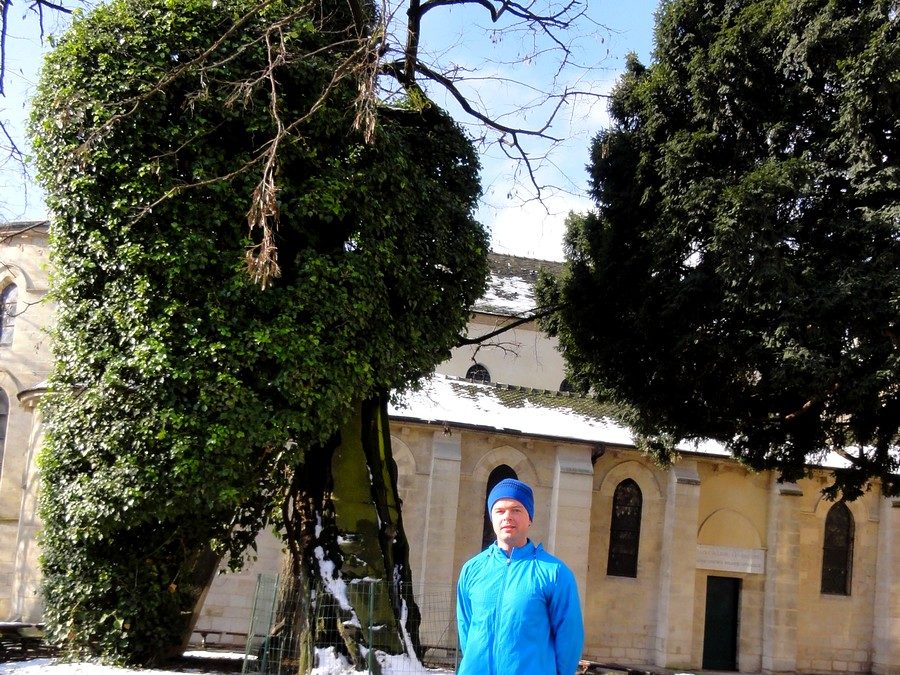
[[36, 6], [194, 65], [464, 103], [508, 348], [561, 19], [533, 315], [39, 5], [14, 150], [12, 235], [4, 26]]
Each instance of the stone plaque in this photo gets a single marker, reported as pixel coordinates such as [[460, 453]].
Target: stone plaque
[[731, 559]]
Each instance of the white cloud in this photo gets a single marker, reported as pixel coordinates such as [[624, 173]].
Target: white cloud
[[533, 229]]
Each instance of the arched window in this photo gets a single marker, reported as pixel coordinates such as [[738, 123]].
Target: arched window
[[4, 416], [7, 313], [502, 472], [478, 373], [625, 530], [565, 386], [837, 550]]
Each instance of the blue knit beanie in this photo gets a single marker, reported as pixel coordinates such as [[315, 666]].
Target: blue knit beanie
[[510, 488]]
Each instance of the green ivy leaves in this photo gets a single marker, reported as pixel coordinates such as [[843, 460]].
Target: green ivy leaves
[[182, 392]]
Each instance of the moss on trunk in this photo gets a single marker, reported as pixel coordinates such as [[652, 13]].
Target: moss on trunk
[[347, 550]]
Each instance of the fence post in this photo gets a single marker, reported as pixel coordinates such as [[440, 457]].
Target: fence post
[[263, 652], [370, 655]]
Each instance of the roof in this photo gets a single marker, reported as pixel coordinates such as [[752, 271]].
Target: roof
[[15, 227], [510, 290], [502, 408], [518, 410]]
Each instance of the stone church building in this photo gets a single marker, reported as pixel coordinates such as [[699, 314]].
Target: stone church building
[[700, 565]]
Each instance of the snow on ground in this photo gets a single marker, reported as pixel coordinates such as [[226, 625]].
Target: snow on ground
[[329, 664], [57, 667]]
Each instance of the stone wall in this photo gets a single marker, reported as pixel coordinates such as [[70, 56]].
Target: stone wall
[[705, 516], [24, 363], [544, 370]]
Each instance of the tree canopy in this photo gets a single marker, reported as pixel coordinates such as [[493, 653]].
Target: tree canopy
[[184, 393], [740, 277]]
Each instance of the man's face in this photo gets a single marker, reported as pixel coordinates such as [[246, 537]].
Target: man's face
[[511, 523]]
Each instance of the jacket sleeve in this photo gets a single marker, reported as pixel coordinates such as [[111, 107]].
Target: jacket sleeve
[[568, 626], [463, 608]]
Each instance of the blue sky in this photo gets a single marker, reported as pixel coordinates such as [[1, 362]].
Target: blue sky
[[519, 224]]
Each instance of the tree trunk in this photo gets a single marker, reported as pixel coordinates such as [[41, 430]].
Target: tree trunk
[[196, 576], [348, 581]]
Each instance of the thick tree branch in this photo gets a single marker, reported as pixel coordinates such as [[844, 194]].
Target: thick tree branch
[[537, 313], [4, 24], [561, 19], [411, 51]]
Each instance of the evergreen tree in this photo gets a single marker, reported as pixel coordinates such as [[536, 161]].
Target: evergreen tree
[[740, 278]]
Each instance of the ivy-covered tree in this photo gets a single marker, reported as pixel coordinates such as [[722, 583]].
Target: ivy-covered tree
[[740, 278], [192, 404]]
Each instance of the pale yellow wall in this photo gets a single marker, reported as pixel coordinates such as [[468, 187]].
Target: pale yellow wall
[[620, 612], [837, 635], [733, 513], [526, 357], [481, 453], [26, 602], [733, 505], [834, 634], [23, 364], [887, 592], [412, 482], [224, 617]]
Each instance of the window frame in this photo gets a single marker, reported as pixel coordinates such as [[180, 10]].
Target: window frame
[[478, 368], [625, 536], [8, 312], [4, 424], [838, 540]]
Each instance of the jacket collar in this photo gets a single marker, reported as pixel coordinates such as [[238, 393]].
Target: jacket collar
[[529, 550]]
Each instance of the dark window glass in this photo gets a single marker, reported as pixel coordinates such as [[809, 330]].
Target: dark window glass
[[7, 313], [502, 472], [837, 551], [4, 416], [565, 386], [478, 373], [625, 530]]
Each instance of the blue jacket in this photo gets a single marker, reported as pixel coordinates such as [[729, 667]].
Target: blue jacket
[[518, 615]]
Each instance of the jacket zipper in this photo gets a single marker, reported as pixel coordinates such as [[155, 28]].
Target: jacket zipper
[[501, 595]]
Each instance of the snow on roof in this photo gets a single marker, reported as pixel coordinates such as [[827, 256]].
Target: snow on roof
[[535, 412], [510, 292], [511, 284], [510, 409]]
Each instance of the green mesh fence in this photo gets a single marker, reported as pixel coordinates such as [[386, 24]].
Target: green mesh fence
[[273, 647]]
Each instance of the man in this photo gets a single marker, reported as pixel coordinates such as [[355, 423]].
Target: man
[[517, 606]]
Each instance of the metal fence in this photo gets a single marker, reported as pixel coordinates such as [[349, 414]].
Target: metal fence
[[273, 648]]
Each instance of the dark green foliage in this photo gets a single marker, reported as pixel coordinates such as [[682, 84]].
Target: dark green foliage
[[740, 279], [182, 390]]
